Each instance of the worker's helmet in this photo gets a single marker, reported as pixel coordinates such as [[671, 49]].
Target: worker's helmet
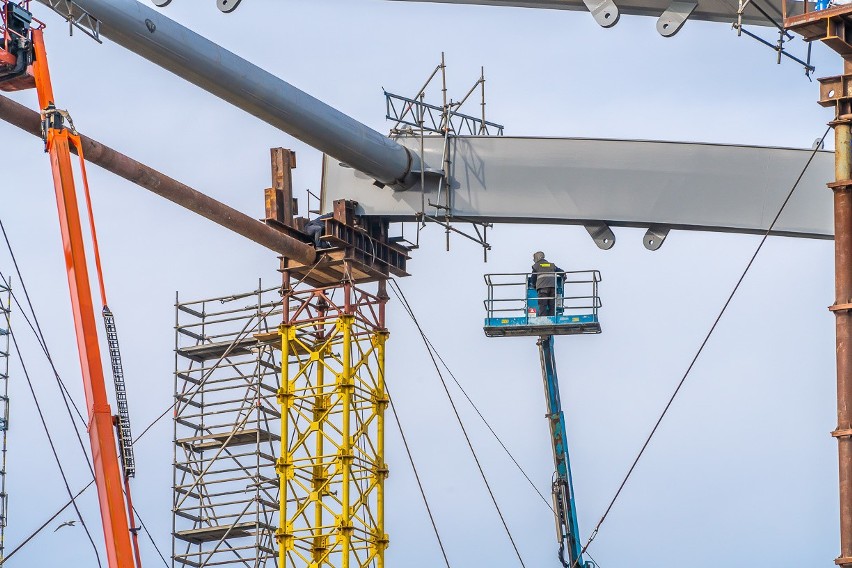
[[538, 256]]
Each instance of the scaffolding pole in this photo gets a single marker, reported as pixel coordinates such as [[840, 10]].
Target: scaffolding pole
[[225, 430], [5, 327]]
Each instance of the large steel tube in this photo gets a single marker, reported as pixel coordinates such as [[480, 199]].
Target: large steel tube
[[171, 189], [215, 69]]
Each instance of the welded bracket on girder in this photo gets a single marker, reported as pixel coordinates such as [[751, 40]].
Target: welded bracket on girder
[[605, 12], [654, 236], [674, 17], [601, 234]]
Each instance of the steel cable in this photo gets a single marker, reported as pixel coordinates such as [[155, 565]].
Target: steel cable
[[47, 522], [727, 303], [50, 441], [417, 477], [399, 294], [490, 429]]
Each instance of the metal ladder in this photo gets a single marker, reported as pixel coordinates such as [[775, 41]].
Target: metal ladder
[[125, 438]]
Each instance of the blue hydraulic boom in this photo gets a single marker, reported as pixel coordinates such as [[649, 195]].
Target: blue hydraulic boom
[[513, 310], [564, 507]]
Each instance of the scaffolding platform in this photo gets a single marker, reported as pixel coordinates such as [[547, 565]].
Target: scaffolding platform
[[235, 438], [215, 534]]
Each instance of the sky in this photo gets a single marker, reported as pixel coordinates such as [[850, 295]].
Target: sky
[[742, 470]]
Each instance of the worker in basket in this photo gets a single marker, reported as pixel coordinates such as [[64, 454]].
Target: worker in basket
[[544, 279]]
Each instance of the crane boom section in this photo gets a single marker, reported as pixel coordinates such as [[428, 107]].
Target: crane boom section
[[563, 489], [104, 454]]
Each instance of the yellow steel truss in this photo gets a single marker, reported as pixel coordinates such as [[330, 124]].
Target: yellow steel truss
[[331, 467]]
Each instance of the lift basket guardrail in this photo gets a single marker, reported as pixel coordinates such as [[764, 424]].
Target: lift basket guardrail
[[513, 306]]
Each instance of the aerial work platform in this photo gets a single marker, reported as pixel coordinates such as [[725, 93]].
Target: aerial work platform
[[513, 305]]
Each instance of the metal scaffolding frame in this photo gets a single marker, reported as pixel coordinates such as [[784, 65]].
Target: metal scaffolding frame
[[333, 395], [5, 325], [226, 423]]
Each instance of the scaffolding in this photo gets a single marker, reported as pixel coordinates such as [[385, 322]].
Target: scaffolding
[[333, 396], [5, 332], [226, 425]]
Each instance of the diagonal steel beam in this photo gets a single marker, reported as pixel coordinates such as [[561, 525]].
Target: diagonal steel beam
[[164, 186]]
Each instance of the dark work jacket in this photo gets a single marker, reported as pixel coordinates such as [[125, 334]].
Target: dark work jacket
[[544, 274]]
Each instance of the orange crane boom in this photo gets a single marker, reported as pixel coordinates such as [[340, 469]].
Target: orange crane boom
[[58, 139]]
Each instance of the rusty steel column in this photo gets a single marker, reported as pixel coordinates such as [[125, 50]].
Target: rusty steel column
[[164, 186], [842, 309], [830, 27]]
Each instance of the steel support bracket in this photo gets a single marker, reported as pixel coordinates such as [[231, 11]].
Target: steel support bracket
[[654, 236], [836, 92], [840, 308], [161, 3], [228, 5], [605, 12], [601, 234], [845, 433], [674, 17], [843, 561]]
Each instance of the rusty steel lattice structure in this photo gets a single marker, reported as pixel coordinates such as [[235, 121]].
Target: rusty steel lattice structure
[[226, 424], [333, 399], [5, 332]]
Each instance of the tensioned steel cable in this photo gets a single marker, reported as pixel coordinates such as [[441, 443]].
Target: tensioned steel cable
[[35, 326], [417, 477], [47, 522], [37, 331], [398, 292], [496, 437], [150, 537], [727, 303], [63, 390], [52, 445]]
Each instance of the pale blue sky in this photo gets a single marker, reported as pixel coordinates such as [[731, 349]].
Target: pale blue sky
[[743, 471]]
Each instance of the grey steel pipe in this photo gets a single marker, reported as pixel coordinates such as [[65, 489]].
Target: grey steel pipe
[[164, 186], [185, 53]]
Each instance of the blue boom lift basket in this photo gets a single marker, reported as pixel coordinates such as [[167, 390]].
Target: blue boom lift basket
[[512, 306]]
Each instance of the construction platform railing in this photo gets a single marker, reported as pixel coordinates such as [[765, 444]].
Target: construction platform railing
[[513, 306], [226, 430], [511, 295]]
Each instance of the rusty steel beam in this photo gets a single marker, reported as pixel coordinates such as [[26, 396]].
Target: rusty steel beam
[[164, 186]]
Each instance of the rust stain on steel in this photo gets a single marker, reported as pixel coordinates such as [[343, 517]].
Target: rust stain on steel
[[164, 186]]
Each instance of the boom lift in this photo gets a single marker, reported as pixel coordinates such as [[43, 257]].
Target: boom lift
[[512, 308], [23, 65]]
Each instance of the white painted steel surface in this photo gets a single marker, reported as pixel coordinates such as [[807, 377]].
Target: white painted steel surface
[[710, 10], [622, 182]]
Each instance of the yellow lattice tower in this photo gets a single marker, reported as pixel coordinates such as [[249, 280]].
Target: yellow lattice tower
[[333, 400]]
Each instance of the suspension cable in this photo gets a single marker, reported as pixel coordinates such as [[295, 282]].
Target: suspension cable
[[399, 294], [417, 477], [727, 303], [35, 326], [47, 522], [50, 441], [490, 429]]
